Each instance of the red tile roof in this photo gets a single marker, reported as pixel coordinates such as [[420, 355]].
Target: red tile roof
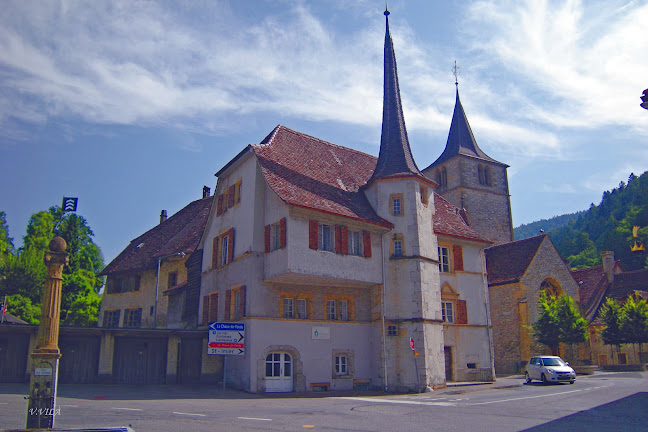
[[448, 220], [178, 234], [506, 263], [307, 172], [592, 283], [628, 283]]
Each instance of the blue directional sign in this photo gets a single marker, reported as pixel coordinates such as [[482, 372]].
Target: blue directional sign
[[69, 204], [226, 339]]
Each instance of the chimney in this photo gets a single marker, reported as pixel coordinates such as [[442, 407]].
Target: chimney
[[607, 257], [163, 216], [206, 191]]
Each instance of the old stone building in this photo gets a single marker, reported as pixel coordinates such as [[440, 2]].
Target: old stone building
[[336, 260], [517, 272], [471, 180]]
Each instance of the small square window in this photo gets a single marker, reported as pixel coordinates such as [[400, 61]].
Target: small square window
[[392, 330], [341, 363]]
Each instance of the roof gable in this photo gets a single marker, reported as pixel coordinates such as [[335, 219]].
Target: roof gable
[[178, 234], [507, 262], [592, 283], [448, 220]]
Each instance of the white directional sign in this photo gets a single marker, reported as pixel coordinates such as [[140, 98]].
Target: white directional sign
[[226, 339]]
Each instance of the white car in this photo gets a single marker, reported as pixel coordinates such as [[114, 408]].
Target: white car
[[549, 369]]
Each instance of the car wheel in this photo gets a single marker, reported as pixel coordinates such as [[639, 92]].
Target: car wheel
[[527, 378], [544, 379], [571, 382]]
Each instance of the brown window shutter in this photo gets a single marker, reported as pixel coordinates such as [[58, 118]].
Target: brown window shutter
[[219, 205], [312, 234], [366, 240], [230, 245], [228, 305], [344, 239], [282, 233], [241, 311], [215, 252], [458, 257], [205, 310], [213, 307], [267, 238], [230, 196], [338, 238], [462, 312]]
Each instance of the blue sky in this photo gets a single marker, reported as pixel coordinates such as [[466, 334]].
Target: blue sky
[[132, 106]]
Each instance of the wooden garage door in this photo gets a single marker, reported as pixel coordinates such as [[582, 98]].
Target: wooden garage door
[[139, 361], [79, 359], [189, 361], [13, 357]]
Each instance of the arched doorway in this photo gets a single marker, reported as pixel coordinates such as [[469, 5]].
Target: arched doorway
[[278, 372]]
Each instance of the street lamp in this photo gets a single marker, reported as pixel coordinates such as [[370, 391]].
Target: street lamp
[[157, 282]]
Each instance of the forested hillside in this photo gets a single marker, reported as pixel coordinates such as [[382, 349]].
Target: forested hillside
[[533, 228], [608, 226]]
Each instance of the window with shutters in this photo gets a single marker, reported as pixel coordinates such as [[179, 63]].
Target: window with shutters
[[223, 249], [237, 192], [325, 239], [444, 259], [275, 236], [355, 243], [235, 303], [447, 312]]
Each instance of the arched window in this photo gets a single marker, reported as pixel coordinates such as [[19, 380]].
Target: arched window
[[551, 287]]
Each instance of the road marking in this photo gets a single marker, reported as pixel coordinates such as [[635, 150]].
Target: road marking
[[69, 406], [4, 403], [308, 427], [127, 409], [190, 414], [526, 397], [405, 402], [255, 418]]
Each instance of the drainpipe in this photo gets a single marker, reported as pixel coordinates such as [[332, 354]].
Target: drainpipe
[[157, 283], [383, 305]]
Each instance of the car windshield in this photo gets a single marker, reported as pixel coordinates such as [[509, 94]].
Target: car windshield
[[553, 362]]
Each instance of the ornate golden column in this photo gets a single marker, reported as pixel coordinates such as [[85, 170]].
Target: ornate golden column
[[41, 408]]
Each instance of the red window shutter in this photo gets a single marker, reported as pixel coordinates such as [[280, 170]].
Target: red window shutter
[[366, 240], [213, 307], [462, 312], [228, 305], [215, 252], [344, 239], [219, 205], [205, 310], [338, 238], [241, 311], [267, 238], [458, 257], [312, 234], [230, 245], [230, 196], [282, 233]]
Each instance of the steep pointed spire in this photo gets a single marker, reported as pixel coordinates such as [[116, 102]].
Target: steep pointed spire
[[461, 140], [395, 156]]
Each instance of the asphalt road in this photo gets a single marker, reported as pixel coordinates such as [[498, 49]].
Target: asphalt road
[[604, 402]]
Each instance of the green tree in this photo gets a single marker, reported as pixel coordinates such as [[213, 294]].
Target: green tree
[[6, 242], [610, 315], [546, 329], [573, 327], [634, 321]]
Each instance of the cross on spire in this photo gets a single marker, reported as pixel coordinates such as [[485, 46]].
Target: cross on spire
[[456, 70]]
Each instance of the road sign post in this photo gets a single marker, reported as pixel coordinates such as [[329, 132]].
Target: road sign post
[[226, 339], [414, 354]]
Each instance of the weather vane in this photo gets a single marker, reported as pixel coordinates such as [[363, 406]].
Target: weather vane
[[456, 70]]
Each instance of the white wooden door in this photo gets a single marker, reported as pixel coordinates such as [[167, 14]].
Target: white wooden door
[[278, 375]]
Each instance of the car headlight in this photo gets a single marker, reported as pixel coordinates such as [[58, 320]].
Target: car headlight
[[551, 371]]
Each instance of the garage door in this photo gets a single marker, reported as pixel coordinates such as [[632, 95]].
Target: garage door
[[139, 361]]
